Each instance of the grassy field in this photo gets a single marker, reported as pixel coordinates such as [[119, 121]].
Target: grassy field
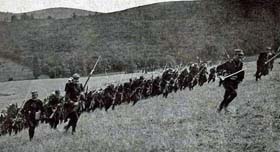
[[185, 121]]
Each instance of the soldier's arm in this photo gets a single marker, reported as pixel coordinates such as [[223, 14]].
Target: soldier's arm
[[240, 76], [82, 88], [25, 107]]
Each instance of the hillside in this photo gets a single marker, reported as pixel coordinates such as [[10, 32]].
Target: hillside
[[14, 71], [55, 13], [147, 36], [185, 121]]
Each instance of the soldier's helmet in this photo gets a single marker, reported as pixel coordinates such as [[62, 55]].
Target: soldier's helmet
[[57, 92], [34, 93], [238, 52], [70, 79], [76, 77]]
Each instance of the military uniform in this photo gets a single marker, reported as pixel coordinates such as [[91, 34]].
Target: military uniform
[[202, 74], [31, 110], [231, 83], [212, 75], [269, 56], [193, 76], [73, 90], [262, 68], [55, 99], [54, 110]]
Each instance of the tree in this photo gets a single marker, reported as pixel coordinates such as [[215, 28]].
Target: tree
[[31, 17], [24, 16], [13, 18], [36, 67], [74, 15]]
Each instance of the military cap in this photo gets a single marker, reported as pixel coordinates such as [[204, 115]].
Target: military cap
[[34, 92], [76, 76], [238, 52], [57, 91]]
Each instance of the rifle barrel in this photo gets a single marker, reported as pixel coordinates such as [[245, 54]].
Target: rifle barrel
[[91, 72], [272, 58], [223, 78]]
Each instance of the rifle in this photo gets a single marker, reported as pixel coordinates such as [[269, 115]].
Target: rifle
[[273, 56], [20, 110], [197, 75], [91, 72], [224, 77], [227, 54], [165, 67]]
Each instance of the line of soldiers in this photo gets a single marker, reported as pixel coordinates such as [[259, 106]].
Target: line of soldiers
[[54, 110], [57, 109]]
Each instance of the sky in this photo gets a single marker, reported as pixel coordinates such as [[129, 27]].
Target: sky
[[19, 6]]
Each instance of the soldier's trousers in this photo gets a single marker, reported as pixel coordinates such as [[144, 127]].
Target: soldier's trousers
[[211, 78], [73, 121], [31, 127], [229, 95]]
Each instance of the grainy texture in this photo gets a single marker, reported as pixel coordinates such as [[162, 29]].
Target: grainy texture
[[147, 36], [185, 121]]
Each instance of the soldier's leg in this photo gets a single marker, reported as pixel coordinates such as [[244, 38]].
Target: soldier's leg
[[233, 94], [50, 122], [10, 129], [31, 129], [209, 78], [226, 96], [258, 75], [74, 122], [69, 116], [56, 122], [220, 83]]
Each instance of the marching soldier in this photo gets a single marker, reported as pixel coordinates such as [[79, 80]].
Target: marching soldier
[[73, 93], [54, 107], [212, 75], [271, 53], [32, 110], [231, 83], [262, 68], [55, 98], [193, 75], [202, 74]]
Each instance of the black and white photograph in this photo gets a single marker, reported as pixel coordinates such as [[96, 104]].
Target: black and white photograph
[[139, 75]]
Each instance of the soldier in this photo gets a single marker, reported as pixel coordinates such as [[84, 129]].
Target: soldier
[[202, 74], [118, 96], [262, 68], [212, 75], [73, 92], [32, 110], [192, 78], [231, 83], [182, 76], [271, 53], [54, 108]]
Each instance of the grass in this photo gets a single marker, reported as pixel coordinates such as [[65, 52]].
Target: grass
[[185, 121]]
